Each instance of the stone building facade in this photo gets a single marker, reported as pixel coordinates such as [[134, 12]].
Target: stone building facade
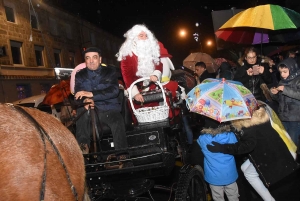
[[35, 38]]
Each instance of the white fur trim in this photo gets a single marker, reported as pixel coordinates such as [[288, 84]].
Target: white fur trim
[[134, 91], [157, 73]]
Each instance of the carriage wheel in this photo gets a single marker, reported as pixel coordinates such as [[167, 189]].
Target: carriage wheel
[[191, 184]]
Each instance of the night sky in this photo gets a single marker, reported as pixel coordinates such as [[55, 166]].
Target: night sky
[[165, 18]]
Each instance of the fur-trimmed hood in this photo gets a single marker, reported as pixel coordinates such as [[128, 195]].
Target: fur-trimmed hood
[[259, 116], [215, 131]]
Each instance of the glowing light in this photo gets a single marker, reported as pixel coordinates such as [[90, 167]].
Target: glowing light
[[209, 43], [182, 33]]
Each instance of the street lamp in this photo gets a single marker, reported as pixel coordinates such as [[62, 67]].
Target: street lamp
[[209, 43], [182, 33]]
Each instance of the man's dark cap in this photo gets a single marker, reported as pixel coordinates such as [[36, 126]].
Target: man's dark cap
[[91, 49]]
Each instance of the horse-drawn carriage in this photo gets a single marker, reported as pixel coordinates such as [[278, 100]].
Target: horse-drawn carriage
[[153, 149]]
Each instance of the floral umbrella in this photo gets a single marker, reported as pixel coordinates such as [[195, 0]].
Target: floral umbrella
[[252, 26], [222, 100]]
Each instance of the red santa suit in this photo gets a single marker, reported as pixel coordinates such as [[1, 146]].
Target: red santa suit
[[131, 66]]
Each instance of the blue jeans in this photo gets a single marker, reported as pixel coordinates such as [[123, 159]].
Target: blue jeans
[[187, 128], [293, 129]]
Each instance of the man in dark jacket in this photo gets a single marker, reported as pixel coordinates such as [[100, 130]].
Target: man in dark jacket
[[201, 72], [98, 86]]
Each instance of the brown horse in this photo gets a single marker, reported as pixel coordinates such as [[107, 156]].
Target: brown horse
[[40, 158]]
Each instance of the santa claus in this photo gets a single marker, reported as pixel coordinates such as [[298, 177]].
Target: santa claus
[[139, 57]]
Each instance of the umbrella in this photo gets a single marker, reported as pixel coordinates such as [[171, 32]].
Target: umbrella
[[184, 79], [58, 93], [222, 100], [273, 50], [195, 57], [261, 19], [220, 60], [243, 35]]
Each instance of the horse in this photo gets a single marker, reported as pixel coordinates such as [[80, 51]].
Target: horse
[[40, 158]]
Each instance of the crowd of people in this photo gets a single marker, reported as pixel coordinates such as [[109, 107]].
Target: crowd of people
[[275, 83]]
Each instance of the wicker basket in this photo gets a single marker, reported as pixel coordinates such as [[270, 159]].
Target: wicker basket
[[149, 114]]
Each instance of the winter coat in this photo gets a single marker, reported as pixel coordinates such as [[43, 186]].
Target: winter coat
[[219, 169], [289, 98], [104, 85], [263, 146], [253, 82], [205, 75]]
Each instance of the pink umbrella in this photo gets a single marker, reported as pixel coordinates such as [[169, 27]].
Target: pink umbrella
[[72, 80]]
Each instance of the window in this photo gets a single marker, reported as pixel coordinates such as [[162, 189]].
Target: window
[[33, 22], [69, 32], [57, 57], [39, 55], [53, 26], [45, 87], [10, 16], [72, 59], [23, 91], [16, 52]]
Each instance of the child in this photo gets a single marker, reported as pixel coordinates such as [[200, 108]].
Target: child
[[288, 96], [219, 169]]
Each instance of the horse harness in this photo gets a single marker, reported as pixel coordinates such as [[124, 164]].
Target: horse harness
[[44, 135]]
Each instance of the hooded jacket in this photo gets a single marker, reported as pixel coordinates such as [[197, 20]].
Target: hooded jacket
[[225, 71], [289, 98], [264, 147], [219, 168], [253, 82]]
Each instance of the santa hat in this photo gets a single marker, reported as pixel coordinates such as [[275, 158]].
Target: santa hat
[[163, 51]]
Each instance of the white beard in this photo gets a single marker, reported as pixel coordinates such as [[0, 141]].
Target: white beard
[[145, 61]]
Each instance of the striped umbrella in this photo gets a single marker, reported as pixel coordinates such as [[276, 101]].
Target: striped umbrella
[[252, 26], [272, 17]]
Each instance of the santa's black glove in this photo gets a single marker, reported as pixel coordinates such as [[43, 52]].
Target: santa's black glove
[[217, 148]]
